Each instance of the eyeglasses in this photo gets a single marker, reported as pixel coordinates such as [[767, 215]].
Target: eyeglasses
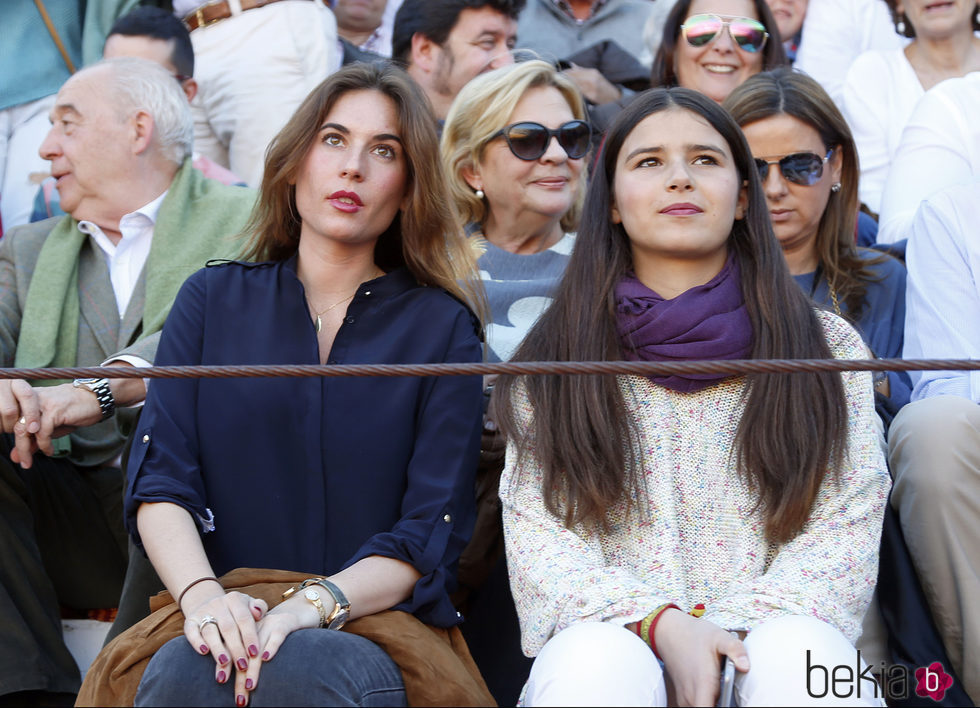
[[804, 168], [750, 35], [529, 141]]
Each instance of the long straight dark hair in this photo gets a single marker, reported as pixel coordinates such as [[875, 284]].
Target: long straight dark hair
[[793, 427]]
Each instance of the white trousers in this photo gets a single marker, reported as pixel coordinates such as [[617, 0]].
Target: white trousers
[[22, 130], [254, 69], [600, 664]]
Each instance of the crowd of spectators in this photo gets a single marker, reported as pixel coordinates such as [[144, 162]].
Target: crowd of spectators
[[375, 153]]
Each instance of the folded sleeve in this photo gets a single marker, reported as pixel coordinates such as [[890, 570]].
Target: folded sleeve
[[163, 463]]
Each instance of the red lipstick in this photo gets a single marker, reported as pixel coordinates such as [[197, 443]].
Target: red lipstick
[[345, 201]]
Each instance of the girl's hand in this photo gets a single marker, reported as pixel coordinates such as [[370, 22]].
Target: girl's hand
[[691, 650], [225, 625]]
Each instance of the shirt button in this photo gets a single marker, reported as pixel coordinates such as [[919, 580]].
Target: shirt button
[[349, 320], [146, 438], [447, 518], [367, 292]]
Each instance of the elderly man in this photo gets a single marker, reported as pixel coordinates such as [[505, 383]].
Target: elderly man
[[90, 288], [445, 43]]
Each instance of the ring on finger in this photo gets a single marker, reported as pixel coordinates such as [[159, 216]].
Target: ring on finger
[[206, 620], [23, 420]]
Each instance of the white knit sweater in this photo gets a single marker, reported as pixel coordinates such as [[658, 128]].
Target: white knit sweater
[[697, 540]]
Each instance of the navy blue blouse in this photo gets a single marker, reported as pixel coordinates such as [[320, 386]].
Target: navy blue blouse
[[882, 322], [313, 474]]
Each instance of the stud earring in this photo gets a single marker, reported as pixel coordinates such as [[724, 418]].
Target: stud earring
[[835, 187], [900, 25], [479, 194]]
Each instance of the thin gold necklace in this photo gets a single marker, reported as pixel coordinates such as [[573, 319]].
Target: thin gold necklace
[[319, 322]]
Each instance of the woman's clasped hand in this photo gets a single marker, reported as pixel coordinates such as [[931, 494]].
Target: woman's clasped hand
[[238, 632]]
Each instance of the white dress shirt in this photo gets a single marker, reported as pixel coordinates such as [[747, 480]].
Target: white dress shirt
[[939, 147], [942, 313], [126, 259]]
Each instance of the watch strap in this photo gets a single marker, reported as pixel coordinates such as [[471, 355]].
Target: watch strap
[[103, 393], [338, 616]]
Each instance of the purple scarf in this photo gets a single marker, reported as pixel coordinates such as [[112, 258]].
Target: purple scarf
[[706, 322]]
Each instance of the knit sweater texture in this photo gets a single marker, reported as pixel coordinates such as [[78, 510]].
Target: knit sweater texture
[[696, 538]]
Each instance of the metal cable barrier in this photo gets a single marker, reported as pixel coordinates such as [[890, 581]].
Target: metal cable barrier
[[731, 367]]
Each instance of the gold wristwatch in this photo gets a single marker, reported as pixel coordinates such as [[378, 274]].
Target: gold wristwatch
[[339, 613], [314, 597]]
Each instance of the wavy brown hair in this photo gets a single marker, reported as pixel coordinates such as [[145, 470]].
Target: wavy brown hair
[[664, 73], [423, 237], [792, 93], [793, 427]]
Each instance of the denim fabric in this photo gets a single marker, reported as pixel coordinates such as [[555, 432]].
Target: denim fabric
[[314, 667]]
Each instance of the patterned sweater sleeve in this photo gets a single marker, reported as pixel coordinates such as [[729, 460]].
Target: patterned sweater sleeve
[[829, 570], [558, 576]]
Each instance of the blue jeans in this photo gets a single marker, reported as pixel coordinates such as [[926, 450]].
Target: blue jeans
[[314, 667]]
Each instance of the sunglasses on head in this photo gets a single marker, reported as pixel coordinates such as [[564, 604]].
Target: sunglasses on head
[[750, 35], [803, 168], [529, 141]]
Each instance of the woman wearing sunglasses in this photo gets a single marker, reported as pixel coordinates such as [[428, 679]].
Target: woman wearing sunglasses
[[513, 147], [883, 87], [657, 525], [809, 168], [712, 46]]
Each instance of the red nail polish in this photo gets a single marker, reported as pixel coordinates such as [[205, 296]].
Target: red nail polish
[[221, 677], [253, 650], [204, 648], [223, 659], [248, 684], [242, 664], [265, 656], [240, 699]]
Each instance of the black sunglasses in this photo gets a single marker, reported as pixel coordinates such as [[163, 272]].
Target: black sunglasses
[[529, 141], [804, 168]]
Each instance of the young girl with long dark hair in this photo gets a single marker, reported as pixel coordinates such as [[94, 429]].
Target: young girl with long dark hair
[[647, 519]]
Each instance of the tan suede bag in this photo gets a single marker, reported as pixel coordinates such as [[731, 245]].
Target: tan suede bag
[[435, 663]]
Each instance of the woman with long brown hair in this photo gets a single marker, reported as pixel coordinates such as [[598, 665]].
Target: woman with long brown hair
[[682, 508], [366, 485], [808, 163]]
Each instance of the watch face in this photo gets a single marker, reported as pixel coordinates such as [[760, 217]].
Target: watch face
[[312, 595]]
